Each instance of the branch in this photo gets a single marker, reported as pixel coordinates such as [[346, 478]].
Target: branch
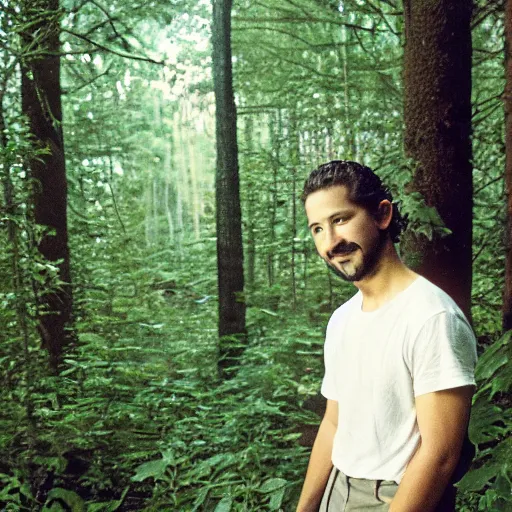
[[86, 83], [383, 17], [294, 63], [115, 204], [114, 52], [112, 25], [307, 20], [481, 14], [483, 102], [268, 8], [280, 31], [98, 25], [490, 112], [301, 9], [391, 4], [79, 6], [485, 185]]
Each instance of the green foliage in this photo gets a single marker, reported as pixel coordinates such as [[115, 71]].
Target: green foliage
[[491, 428]]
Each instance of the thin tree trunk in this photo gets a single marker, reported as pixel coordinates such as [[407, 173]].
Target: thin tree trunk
[[251, 242], [232, 330], [294, 236], [438, 127], [41, 103], [276, 157], [350, 150], [294, 159], [196, 204], [179, 181], [507, 294], [167, 198], [154, 209]]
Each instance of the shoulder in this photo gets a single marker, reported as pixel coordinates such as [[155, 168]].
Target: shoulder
[[341, 314], [338, 320], [438, 326], [427, 302]]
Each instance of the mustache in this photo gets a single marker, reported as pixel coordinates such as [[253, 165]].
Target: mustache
[[342, 249]]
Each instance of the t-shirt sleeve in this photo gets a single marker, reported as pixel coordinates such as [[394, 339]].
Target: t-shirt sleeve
[[328, 389], [443, 355]]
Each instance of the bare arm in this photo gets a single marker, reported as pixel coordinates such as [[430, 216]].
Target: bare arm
[[442, 420], [320, 464]]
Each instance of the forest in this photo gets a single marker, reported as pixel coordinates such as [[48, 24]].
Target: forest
[[163, 308]]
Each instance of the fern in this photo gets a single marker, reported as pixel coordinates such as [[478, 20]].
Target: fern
[[490, 429]]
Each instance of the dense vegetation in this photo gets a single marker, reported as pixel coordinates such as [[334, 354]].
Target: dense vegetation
[[128, 410]]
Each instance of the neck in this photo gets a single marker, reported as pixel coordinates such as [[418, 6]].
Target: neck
[[390, 278]]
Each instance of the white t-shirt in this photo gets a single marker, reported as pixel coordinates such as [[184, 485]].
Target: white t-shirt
[[377, 362]]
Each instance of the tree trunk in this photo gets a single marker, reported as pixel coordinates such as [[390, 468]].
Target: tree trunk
[[178, 163], [196, 203], [507, 295], [294, 142], [232, 330], [167, 195], [41, 103], [437, 78], [350, 151], [251, 238]]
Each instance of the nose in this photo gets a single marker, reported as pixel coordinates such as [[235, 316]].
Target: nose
[[332, 239]]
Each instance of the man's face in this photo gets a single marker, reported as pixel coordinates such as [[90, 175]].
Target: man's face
[[348, 238]]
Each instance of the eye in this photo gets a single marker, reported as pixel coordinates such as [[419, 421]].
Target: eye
[[315, 230], [338, 220]]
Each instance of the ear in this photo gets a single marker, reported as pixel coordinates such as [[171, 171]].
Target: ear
[[384, 214]]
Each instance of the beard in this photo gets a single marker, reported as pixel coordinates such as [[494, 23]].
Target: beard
[[369, 264]]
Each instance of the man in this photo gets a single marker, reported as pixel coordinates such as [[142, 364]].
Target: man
[[399, 361]]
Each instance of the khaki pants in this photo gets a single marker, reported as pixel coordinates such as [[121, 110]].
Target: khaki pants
[[346, 494]]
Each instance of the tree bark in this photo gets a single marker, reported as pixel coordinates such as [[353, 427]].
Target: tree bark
[[437, 78], [507, 293], [41, 103], [232, 330]]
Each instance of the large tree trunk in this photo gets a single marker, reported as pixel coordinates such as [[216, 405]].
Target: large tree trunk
[[41, 103], [232, 330], [437, 78], [507, 296]]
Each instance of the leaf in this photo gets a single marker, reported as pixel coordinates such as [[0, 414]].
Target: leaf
[[499, 464], [491, 360], [224, 504], [201, 496], [272, 485], [108, 506], [476, 479], [482, 426], [55, 507], [268, 312], [276, 499], [151, 326], [153, 469], [70, 498]]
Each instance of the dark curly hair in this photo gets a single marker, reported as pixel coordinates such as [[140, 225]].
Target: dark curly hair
[[364, 186]]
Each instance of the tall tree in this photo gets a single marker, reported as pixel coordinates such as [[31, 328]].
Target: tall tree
[[507, 296], [437, 79], [41, 103], [229, 219]]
